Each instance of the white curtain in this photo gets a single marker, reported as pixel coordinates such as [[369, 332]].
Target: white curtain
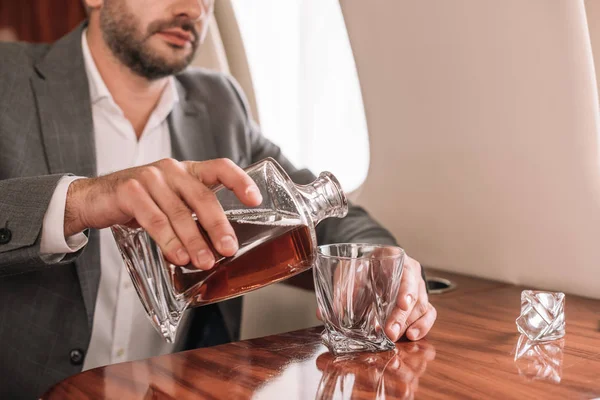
[[307, 89]]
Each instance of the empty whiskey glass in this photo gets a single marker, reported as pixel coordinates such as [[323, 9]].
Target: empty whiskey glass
[[542, 315], [356, 287]]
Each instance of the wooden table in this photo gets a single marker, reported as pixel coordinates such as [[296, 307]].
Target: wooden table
[[470, 353]]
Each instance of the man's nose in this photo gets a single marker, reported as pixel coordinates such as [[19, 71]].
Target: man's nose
[[193, 9]]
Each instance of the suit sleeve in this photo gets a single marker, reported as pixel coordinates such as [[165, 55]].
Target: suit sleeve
[[23, 204], [357, 227]]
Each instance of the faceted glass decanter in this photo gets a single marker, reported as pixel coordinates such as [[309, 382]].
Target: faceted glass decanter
[[276, 241]]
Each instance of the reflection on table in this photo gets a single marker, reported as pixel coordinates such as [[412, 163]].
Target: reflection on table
[[539, 360], [391, 374], [473, 351]]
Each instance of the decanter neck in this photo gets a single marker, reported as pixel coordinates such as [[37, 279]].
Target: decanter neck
[[324, 198]]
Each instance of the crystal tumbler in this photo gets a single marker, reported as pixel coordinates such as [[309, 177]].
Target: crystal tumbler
[[357, 286], [542, 315]]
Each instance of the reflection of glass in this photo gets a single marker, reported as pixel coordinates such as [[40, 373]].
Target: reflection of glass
[[542, 315], [391, 374], [539, 360], [356, 287]]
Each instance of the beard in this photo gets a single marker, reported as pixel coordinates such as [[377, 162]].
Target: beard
[[125, 37]]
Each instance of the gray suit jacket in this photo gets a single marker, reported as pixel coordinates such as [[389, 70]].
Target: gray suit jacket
[[46, 131]]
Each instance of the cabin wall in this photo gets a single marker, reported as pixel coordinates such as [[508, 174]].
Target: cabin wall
[[483, 123]]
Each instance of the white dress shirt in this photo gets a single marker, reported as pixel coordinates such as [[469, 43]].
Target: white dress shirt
[[121, 329]]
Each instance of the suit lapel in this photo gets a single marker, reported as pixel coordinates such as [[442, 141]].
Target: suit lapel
[[63, 100], [189, 125]]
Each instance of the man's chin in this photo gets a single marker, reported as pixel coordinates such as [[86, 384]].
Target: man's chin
[[171, 54], [170, 58]]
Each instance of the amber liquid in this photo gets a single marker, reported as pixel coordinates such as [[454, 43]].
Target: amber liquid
[[272, 247]]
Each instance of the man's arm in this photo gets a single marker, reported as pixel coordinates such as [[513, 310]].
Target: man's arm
[[23, 203]]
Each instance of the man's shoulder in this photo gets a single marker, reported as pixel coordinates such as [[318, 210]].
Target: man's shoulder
[[197, 76], [211, 87], [21, 57]]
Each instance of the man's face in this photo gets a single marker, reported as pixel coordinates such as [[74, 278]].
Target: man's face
[[154, 38]]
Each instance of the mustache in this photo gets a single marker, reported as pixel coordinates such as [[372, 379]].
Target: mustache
[[182, 23]]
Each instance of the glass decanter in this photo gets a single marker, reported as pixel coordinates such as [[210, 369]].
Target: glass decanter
[[276, 241]]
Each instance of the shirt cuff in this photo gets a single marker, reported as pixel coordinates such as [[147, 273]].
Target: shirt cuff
[[54, 246]]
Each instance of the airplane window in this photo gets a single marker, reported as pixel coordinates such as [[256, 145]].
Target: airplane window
[[306, 84]]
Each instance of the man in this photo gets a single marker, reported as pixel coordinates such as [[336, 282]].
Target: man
[[115, 95]]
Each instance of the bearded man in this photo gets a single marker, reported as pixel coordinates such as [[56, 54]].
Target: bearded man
[[110, 126]]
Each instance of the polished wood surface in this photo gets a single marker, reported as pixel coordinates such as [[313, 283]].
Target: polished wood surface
[[474, 351]]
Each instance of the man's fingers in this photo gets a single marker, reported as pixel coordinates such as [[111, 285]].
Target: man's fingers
[[421, 327], [409, 288], [226, 172], [421, 307], [408, 294], [162, 196], [184, 181], [180, 217], [396, 324], [135, 201], [210, 215], [204, 203]]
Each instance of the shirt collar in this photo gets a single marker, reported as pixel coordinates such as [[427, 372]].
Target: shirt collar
[[99, 91]]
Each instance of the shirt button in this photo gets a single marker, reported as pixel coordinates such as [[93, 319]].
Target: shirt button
[[5, 235], [120, 352], [76, 356]]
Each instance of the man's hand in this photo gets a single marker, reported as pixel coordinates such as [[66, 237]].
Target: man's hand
[[413, 314], [161, 197]]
